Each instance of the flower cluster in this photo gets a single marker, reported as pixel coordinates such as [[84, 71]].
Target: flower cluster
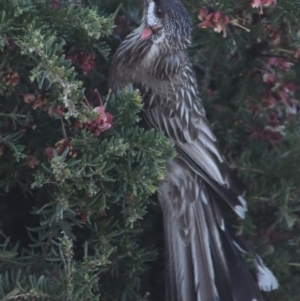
[[278, 101], [85, 61], [11, 79], [102, 122], [36, 101], [273, 34], [216, 20], [280, 92], [281, 63], [60, 147], [32, 161]]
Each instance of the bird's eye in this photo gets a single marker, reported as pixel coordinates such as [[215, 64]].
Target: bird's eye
[[159, 12]]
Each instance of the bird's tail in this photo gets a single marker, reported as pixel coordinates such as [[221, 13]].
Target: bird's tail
[[204, 257]]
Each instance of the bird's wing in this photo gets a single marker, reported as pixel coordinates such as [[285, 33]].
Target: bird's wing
[[176, 109]]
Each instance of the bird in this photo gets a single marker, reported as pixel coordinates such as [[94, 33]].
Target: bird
[[200, 195]]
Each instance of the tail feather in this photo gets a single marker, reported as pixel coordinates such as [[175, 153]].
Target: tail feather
[[266, 280], [223, 282], [201, 255], [180, 276], [242, 282], [204, 258]]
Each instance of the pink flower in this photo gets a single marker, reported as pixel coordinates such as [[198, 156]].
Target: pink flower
[[272, 119], [279, 62], [205, 24], [104, 120], [261, 3], [269, 78], [268, 2], [297, 54], [202, 15], [38, 104], [271, 102], [84, 60], [257, 3], [216, 20], [59, 110], [290, 87], [32, 161], [29, 98], [269, 134], [49, 153], [220, 23], [283, 95], [292, 106], [87, 66], [285, 65]]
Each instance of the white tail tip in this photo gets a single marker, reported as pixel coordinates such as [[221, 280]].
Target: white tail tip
[[266, 279], [242, 208]]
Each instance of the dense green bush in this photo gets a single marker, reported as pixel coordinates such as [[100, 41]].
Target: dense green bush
[[77, 173], [75, 180]]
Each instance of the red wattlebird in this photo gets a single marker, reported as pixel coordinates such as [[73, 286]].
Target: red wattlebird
[[204, 257]]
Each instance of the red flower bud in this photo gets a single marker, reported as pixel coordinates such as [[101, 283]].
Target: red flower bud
[[109, 118], [269, 78], [49, 153], [38, 104], [202, 15], [29, 98], [271, 102], [32, 161], [59, 110], [97, 133]]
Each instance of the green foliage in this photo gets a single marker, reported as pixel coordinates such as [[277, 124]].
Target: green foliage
[[72, 202]]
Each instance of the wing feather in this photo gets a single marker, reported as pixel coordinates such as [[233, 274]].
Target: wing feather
[[178, 112]]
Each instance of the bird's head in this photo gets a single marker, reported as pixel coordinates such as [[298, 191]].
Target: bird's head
[[166, 22]]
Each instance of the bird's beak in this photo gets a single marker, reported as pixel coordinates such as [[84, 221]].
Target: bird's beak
[[156, 27], [148, 31]]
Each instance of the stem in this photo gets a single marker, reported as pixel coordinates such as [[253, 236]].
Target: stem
[[285, 50], [13, 115], [63, 128], [108, 96], [117, 10], [87, 102], [99, 97]]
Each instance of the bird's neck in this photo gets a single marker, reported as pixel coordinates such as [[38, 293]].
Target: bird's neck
[[138, 58]]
